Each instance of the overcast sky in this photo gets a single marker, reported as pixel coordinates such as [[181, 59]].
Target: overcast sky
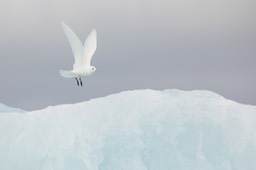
[[157, 44]]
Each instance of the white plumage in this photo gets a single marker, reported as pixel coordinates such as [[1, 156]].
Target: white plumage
[[82, 55]]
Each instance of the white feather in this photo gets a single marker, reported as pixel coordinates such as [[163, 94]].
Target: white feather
[[76, 45], [90, 46], [82, 54]]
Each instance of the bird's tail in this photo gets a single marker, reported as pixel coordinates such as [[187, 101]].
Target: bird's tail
[[67, 74]]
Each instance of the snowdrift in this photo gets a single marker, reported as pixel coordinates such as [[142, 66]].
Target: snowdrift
[[133, 130]]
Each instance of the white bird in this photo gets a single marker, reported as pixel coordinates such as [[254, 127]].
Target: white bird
[[82, 54]]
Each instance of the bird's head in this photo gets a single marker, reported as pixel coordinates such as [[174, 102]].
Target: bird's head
[[93, 69]]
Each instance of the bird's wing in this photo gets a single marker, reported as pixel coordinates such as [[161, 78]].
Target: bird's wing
[[76, 45], [90, 46]]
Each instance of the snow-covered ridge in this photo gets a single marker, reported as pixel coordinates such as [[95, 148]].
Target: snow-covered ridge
[[141, 129], [5, 109]]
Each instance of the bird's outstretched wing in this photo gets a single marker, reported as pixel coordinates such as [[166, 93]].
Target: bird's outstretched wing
[[76, 45], [90, 46]]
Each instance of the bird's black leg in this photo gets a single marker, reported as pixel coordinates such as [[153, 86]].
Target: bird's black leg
[[81, 83], [77, 82]]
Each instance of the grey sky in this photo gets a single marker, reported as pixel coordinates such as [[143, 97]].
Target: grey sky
[[158, 44]]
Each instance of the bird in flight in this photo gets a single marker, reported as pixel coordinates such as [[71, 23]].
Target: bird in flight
[[82, 54]]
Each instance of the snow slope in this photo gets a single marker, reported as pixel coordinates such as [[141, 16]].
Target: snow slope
[[4, 109], [142, 129]]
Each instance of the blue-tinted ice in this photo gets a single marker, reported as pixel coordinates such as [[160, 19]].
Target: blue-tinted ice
[[133, 130]]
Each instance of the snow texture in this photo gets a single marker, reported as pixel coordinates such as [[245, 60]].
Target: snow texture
[[133, 130]]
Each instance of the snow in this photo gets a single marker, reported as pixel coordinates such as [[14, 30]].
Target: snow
[[140, 129], [5, 109]]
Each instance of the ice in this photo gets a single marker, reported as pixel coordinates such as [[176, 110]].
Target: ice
[[5, 109], [140, 129]]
